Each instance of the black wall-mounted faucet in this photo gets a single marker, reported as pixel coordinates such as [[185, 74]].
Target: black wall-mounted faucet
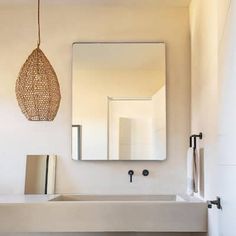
[[130, 173]]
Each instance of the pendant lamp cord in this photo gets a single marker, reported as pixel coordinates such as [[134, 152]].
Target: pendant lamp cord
[[39, 36]]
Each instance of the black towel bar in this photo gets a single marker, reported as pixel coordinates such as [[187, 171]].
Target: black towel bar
[[193, 143]]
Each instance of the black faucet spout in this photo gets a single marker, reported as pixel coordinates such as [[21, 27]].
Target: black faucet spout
[[130, 173]]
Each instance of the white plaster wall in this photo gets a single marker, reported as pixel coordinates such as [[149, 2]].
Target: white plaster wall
[[227, 118], [213, 34], [62, 25], [203, 21], [204, 88]]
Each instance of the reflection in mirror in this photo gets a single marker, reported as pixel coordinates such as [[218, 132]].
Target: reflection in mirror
[[119, 101], [40, 174]]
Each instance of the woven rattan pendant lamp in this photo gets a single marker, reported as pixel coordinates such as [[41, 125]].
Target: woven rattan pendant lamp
[[37, 87]]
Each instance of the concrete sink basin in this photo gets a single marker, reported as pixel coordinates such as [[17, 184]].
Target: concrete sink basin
[[104, 213], [129, 198]]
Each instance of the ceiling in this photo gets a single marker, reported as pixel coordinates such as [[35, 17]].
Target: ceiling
[[157, 3]]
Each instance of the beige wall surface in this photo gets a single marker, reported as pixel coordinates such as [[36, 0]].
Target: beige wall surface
[[61, 26]]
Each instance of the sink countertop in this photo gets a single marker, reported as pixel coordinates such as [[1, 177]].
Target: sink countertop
[[26, 198], [36, 213], [40, 198]]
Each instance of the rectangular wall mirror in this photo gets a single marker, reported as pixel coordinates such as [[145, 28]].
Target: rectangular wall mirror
[[119, 101], [40, 174]]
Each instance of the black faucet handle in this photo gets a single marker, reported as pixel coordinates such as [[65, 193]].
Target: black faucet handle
[[145, 172], [131, 173]]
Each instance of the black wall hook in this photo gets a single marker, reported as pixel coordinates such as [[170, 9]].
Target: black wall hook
[[193, 140]]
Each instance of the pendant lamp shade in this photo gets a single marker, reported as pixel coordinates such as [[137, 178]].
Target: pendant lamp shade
[[37, 88]]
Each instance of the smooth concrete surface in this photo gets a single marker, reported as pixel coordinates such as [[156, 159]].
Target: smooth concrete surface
[[102, 216], [26, 198], [104, 234], [75, 197]]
